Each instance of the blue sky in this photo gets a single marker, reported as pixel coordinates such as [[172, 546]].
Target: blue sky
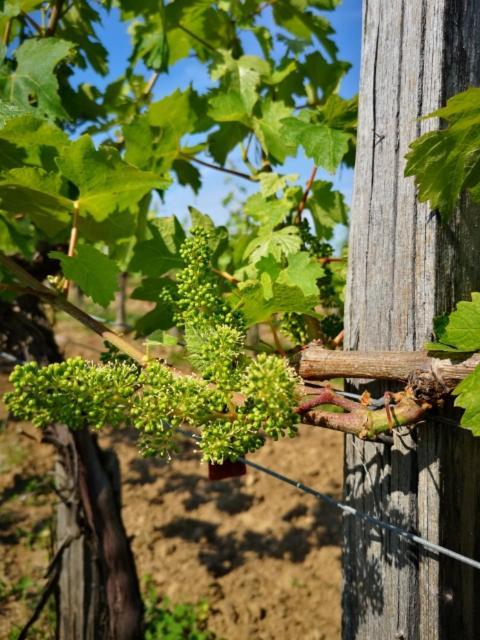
[[346, 21]]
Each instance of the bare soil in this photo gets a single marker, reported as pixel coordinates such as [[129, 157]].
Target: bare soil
[[263, 555]]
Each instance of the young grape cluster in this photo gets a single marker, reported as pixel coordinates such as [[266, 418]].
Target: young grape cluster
[[74, 392], [236, 402]]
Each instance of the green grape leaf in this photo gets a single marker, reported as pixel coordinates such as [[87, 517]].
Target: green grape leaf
[[106, 183], [159, 318], [13, 8], [325, 145], [282, 299], [27, 139], [15, 237], [225, 139], [38, 194], [151, 289], [447, 161], [269, 213], [187, 174], [244, 75], [303, 271], [120, 226], [268, 129], [160, 337], [271, 183], [327, 207], [228, 107], [94, 272], [159, 254], [139, 142], [324, 75], [276, 243], [468, 398], [461, 331], [10, 110], [150, 42], [181, 111], [34, 76]]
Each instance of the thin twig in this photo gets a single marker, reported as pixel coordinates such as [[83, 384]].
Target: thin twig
[[54, 18], [150, 84], [49, 588], [73, 241], [53, 297], [276, 339], [329, 259], [217, 167], [337, 341], [303, 201], [203, 42], [7, 32], [226, 276], [32, 22]]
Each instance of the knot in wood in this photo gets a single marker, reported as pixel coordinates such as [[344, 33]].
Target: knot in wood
[[426, 386]]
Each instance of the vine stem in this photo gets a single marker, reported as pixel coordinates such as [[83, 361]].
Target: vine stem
[[54, 18], [33, 23], [73, 240], [276, 339], [303, 201], [53, 297], [217, 167], [7, 32], [226, 276], [203, 42], [150, 84], [329, 259]]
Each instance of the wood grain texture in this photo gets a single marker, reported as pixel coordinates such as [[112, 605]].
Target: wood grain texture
[[405, 268]]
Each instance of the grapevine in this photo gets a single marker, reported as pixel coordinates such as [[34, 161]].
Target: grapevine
[[155, 399]]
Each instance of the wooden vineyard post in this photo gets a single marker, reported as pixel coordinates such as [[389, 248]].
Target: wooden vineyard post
[[405, 268]]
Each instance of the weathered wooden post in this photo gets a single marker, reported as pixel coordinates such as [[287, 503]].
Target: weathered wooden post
[[405, 268]]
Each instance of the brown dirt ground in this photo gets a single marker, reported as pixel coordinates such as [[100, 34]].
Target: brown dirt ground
[[264, 556]]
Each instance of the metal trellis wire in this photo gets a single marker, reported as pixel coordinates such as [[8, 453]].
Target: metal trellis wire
[[351, 511]]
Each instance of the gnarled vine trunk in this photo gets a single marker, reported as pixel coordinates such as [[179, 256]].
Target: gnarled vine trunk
[[405, 268]]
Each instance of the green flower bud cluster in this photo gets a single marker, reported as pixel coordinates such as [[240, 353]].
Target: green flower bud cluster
[[197, 288], [228, 440], [74, 392], [165, 401], [157, 401], [216, 352], [270, 386], [112, 355]]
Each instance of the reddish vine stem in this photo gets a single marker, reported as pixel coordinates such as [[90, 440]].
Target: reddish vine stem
[[329, 259], [327, 396], [303, 201]]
